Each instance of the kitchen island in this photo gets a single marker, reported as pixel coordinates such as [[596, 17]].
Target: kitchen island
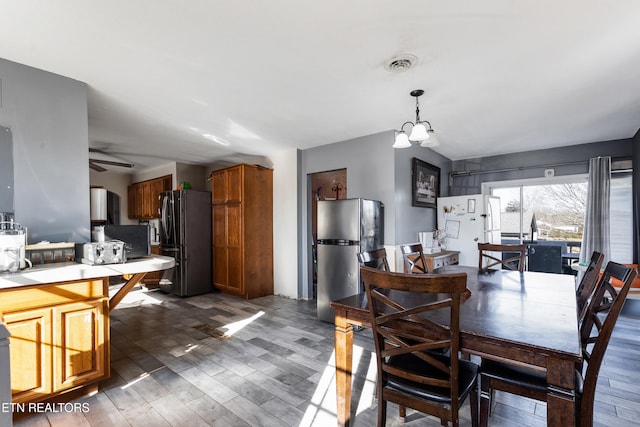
[[58, 318]]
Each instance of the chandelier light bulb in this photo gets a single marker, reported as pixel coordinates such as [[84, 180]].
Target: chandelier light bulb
[[432, 141], [402, 141], [419, 132]]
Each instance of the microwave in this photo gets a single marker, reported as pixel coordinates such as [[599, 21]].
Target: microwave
[[135, 238]]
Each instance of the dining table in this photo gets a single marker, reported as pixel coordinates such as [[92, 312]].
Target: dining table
[[527, 319]]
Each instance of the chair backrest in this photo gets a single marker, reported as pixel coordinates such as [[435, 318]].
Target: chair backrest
[[602, 313], [414, 260], [376, 258], [515, 254], [397, 302], [588, 283]]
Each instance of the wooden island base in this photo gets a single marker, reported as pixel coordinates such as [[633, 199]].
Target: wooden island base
[[59, 342]]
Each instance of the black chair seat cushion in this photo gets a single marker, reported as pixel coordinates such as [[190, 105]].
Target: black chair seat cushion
[[467, 374], [521, 377]]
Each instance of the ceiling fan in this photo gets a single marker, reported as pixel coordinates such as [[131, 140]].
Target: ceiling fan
[[95, 163]]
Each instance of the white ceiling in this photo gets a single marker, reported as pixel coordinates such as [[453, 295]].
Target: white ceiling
[[499, 75]]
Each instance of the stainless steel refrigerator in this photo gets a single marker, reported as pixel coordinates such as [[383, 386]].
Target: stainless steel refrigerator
[[345, 227], [185, 234]]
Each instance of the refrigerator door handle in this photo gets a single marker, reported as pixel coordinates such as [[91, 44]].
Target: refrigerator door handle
[[338, 242], [166, 218]]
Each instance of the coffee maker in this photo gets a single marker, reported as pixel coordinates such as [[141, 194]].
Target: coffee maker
[[13, 239]]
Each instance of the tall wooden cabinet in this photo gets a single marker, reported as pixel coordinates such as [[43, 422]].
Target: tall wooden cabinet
[[242, 198]]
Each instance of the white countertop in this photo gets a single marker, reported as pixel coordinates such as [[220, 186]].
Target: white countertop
[[68, 271]]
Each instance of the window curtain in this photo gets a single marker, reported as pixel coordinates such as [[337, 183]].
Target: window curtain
[[597, 234]]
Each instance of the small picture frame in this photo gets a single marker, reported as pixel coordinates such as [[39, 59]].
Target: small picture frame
[[471, 205], [425, 179]]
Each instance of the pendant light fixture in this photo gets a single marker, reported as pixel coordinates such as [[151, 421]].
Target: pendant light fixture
[[420, 132]]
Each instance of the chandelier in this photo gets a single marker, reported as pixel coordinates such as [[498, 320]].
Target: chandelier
[[421, 131]]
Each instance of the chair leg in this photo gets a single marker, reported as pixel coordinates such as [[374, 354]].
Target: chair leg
[[485, 402], [402, 411], [382, 412], [474, 406]]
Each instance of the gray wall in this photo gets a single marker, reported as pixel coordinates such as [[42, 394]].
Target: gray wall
[[571, 160], [370, 175], [375, 171], [370, 171], [47, 115], [6, 166], [410, 220]]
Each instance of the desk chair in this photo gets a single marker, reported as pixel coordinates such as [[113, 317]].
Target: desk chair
[[515, 256], [588, 284], [413, 370], [595, 332], [376, 258], [414, 260]]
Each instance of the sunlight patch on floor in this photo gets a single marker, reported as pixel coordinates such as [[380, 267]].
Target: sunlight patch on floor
[[322, 410], [138, 297], [231, 328]]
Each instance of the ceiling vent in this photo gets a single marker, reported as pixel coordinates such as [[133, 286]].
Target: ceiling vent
[[401, 63]]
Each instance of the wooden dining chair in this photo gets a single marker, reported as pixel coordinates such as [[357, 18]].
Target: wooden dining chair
[[588, 283], [595, 332], [515, 256], [414, 260], [376, 258], [417, 358]]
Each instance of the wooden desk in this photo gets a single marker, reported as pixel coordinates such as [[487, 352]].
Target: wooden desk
[[438, 259], [441, 259], [523, 318]]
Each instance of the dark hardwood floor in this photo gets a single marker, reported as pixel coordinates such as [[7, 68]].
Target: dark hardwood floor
[[215, 360]]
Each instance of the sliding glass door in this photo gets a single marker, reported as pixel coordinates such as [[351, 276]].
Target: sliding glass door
[[551, 211]]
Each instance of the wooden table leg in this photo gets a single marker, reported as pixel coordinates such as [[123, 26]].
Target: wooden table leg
[[561, 399], [124, 290], [344, 361]]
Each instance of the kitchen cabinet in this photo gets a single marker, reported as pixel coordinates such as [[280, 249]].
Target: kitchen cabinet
[[59, 337], [78, 340], [142, 197], [242, 215], [30, 353]]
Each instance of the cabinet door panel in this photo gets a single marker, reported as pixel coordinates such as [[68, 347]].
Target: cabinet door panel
[[146, 200], [219, 226], [234, 225], [234, 184], [219, 187], [157, 187], [80, 353], [139, 207], [234, 270], [220, 266], [30, 353]]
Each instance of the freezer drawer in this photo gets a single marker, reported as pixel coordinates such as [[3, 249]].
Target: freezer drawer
[[338, 276], [172, 278]]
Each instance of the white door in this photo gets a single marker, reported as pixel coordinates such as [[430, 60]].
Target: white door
[[462, 217], [492, 206]]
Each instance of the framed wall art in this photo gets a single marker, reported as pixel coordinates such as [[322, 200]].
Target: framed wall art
[[425, 183]]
